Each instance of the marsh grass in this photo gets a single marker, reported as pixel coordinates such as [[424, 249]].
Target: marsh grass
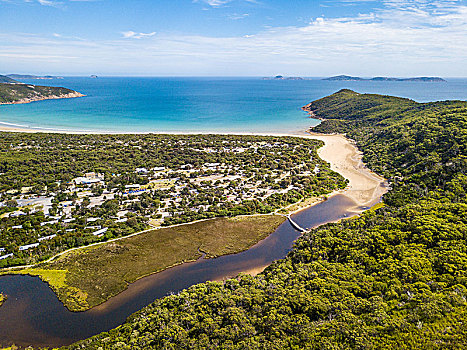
[[88, 277]]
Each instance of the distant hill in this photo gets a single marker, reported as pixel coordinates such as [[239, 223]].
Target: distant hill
[[281, 77], [27, 76], [13, 92], [343, 78], [5, 79], [350, 78]]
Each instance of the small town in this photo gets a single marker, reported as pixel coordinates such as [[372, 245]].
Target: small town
[[98, 206]]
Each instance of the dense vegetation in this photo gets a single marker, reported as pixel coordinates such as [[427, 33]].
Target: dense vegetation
[[43, 160], [5, 79], [14, 92], [391, 278]]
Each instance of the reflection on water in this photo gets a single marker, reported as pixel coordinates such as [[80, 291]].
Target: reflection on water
[[32, 314]]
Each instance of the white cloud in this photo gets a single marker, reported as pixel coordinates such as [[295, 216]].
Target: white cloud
[[133, 35], [222, 3], [214, 3], [49, 3], [403, 38], [237, 16]]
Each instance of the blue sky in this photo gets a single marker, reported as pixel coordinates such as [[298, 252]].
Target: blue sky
[[234, 37]]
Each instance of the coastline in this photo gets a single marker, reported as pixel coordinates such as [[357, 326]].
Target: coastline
[[11, 127], [51, 97]]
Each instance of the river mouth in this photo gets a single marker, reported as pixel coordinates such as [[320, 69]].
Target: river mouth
[[33, 315]]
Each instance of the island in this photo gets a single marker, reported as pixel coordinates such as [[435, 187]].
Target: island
[[281, 77], [416, 79], [15, 92]]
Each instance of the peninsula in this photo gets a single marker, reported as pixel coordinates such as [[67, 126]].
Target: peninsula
[[15, 92], [30, 76], [419, 79]]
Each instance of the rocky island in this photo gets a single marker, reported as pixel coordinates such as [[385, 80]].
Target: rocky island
[[281, 77], [14, 92], [350, 78]]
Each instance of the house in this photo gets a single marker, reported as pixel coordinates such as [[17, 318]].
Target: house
[[89, 179], [6, 256], [132, 186], [46, 238], [17, 226], [212, 165], [29, 246], [86, 180], [15, 214], [93, 175], [49, 222], [92, 219], [100, 232], [141, 170]]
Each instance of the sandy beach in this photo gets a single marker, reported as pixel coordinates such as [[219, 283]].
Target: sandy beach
[[365, 187]]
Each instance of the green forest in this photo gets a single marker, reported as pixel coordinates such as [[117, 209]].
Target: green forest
[[14, 92], [395, 277]]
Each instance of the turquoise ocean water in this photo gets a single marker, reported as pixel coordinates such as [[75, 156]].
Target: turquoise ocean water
[[200, 104]]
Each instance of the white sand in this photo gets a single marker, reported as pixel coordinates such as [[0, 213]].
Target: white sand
[[365, 187]]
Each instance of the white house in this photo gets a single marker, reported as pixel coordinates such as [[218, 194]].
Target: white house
[[46, 238], [29, 246], [100, 232]]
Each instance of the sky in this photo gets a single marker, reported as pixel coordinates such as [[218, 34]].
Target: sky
[[234, 37]]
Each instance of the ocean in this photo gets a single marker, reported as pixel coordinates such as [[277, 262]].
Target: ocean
[[191, 105]]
